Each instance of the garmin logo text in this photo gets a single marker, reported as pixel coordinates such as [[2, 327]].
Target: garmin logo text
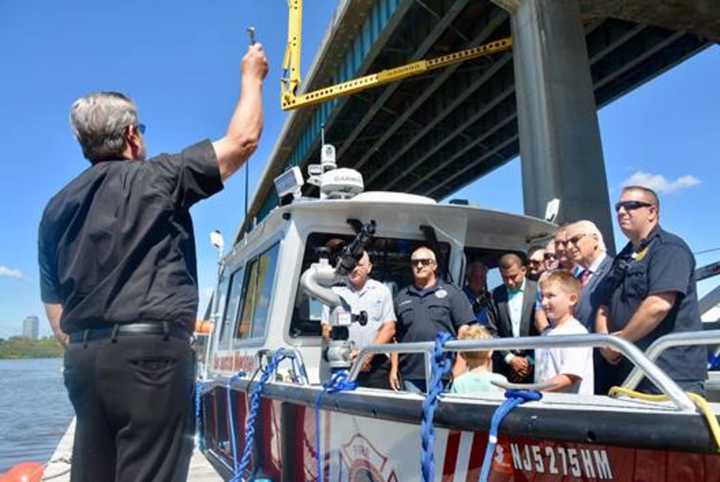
[[345, 179], [581, 463]]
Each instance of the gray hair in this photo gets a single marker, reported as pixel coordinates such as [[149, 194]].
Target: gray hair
[[589, 227], [99, 121]]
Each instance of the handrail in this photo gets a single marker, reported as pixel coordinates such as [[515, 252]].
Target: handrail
[[628, 349], [690, 338]]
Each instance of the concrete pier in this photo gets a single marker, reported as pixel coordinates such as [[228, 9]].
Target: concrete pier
[[58, 468]]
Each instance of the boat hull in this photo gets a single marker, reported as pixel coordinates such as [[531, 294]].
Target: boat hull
[[362, 440]]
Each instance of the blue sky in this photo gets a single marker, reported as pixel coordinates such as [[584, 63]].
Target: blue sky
[[180, 62]]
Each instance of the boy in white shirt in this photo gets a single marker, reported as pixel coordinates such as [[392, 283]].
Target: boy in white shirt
[[569, 370]]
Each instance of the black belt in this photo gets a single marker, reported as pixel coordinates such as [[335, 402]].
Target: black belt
[[167, 329]]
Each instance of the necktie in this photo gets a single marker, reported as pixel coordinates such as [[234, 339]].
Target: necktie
[[585, 277]]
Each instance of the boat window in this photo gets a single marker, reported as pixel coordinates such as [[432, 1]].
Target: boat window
[[233, 301], [391, 265], [259, 279]]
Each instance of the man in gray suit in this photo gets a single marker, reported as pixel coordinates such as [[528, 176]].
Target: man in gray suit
[[515, 301], [586, 248]]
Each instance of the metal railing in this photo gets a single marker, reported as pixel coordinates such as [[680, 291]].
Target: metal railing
[[647, 368], [692, 338], [297, 363]]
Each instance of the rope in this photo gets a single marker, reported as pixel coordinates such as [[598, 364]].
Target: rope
[[441, 364], [200, 389], [513, 398], [230, 411], [714, 361], [242, 469], [338, 383], [699, 401]]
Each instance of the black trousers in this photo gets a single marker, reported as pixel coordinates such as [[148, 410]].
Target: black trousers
[[133, 399]]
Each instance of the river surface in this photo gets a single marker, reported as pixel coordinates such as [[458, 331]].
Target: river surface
[[34, 410]]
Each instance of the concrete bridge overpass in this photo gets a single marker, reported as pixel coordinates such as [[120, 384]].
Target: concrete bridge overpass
[[434, 134]]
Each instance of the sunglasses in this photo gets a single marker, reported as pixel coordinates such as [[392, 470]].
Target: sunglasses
[[138, 127], [421, 262], [631, 205], [576, 239], [548, 256]]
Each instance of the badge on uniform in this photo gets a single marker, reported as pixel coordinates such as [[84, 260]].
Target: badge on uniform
[[441, 293]]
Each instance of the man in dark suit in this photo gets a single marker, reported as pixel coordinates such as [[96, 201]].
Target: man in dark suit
[[515, 301], [586, 248]]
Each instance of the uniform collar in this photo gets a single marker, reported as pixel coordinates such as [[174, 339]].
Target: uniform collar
[[630, 251], [424, 291]]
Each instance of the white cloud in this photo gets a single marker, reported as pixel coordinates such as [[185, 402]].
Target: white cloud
[[659, 183], [10, 273]]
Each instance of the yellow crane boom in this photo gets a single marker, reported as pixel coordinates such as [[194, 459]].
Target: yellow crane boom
[[289, 99]]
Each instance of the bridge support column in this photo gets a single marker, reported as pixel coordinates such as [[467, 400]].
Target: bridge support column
[[560, 143]]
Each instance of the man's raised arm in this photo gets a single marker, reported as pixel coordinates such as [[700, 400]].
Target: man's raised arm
[[243, 134]]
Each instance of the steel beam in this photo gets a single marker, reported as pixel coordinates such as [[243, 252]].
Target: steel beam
[[426, 93], [437, 118], [420, 52], [603, 36]]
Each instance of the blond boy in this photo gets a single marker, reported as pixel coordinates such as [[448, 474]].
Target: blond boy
[[478, 375], [567, 369]]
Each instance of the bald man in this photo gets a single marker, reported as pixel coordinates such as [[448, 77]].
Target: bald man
[[425, 308]]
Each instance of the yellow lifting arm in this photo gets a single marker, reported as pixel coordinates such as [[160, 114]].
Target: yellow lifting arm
[[291, 66], [291, 61]]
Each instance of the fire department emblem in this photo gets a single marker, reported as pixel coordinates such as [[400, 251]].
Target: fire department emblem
[[361, 462]]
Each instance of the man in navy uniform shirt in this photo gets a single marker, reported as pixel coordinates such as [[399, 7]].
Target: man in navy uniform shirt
[[119, 281], [423, 309], [651, 292]]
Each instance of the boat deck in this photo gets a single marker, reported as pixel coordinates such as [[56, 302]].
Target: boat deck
[[58, 468]]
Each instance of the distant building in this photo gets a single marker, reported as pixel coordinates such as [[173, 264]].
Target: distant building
[[31, 327]]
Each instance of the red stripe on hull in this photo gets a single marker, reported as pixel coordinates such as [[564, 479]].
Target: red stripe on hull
[[451, 456]]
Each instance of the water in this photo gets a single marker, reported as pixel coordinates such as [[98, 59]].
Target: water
[[34, 410]]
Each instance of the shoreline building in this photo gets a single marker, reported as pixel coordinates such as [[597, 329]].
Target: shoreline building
[[31, 327]]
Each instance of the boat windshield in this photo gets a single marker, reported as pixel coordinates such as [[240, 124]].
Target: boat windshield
[[391, 265]]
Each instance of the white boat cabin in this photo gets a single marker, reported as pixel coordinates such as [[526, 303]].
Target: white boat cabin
[[259, 302]]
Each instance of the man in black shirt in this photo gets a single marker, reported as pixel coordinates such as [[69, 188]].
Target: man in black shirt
[[650, 292], [423, 309], [119, 282]]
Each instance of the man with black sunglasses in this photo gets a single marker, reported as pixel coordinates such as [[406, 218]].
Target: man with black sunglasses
[[651, 292], [118, 277], [423, 309]]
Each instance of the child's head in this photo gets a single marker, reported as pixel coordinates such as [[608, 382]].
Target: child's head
[[479, 357], [560, 294]]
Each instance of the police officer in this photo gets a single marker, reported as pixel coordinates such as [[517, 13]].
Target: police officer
[[119, 281], [423, 309], [650, 293]]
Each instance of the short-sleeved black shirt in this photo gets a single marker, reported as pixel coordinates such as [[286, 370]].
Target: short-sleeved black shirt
[[663, 263], [423, 313], [116, 244]]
